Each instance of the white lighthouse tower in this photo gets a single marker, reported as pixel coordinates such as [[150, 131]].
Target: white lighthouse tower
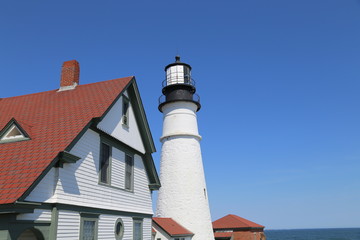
[[183, 192]]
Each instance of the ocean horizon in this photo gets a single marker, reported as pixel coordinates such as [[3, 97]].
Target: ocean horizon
[[313, 234]]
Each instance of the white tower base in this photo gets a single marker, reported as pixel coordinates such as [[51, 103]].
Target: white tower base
[[183, 194]]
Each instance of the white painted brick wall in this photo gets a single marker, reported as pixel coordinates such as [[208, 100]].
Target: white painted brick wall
[[183, 192]]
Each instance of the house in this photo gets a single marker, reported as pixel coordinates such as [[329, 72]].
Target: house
[[232, 227], [168, 229], [76, 162]]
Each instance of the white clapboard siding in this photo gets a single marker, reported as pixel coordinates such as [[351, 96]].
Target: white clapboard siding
[[112, 124], [44, 191], [147, 229], [68, 225], [78, 182], [161, 233], [37, 215], [106, 227], [142, 193]]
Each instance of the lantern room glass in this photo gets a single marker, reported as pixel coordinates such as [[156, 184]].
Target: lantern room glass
[[178, 74]]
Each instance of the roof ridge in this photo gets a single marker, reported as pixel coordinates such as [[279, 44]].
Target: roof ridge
[[55, 90], [232, 220]]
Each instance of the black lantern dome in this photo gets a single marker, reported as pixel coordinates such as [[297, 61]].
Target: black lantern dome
[[178, 85]]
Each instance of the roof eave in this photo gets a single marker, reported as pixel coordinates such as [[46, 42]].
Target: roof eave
[[182, 235]]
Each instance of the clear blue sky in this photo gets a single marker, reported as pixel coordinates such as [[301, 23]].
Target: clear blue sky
[[279, 83]]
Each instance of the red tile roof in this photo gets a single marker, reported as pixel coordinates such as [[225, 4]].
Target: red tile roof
[[171, 227], [232, 222], [52, 119]]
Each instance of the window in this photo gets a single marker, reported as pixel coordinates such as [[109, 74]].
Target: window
[[88, 228], [125, 111], [105, 155], [12, 132], [129, 163], [115, 155], [187, 77], [137, 229], [119, 229]]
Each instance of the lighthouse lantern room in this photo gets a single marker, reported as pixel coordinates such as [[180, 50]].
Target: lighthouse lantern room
[[178, 85], [178, 72]]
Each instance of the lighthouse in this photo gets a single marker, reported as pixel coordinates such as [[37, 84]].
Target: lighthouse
[[183, 193]]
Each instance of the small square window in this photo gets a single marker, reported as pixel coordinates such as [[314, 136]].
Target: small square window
[[88, 228]]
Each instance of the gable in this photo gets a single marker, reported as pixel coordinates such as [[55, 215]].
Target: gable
[[143, 141], [123, 126], [159, 232]]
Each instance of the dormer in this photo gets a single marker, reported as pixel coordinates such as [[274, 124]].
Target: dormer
[[13, 132]]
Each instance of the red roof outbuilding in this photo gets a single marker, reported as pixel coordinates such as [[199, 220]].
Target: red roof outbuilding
[[237, 228]]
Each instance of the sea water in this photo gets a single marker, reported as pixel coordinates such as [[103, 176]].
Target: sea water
[[314, 234]]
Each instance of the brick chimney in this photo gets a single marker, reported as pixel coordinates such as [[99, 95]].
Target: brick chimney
[[69, 75]]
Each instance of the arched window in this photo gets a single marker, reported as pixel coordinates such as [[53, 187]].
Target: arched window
[[31, 234]]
